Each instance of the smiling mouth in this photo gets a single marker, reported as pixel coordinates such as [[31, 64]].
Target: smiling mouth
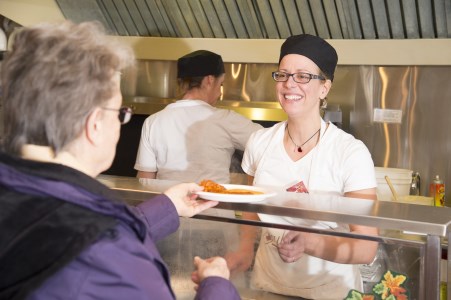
[[292, 97]]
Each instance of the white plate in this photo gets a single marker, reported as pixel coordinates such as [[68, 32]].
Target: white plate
[[238, 198]]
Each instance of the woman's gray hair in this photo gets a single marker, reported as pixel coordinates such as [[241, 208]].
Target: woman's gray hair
[[53, 78]]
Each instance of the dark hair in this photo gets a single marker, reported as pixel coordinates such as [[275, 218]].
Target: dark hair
[[53, 77], [188, 83]]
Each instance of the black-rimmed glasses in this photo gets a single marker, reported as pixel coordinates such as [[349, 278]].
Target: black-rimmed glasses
[[300, 77], [125, 113]]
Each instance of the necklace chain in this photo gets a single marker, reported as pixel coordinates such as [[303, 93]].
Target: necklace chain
[[299, 148]]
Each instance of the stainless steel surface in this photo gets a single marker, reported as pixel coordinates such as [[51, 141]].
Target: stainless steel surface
[[432, 267], [339, 19], [420, 143], [382, 214], [391, 218], [244, 82], [448, 269], [257, 111], [247, 89], [132, 190]]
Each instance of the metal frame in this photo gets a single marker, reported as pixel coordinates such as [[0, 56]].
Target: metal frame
[[433, 222]]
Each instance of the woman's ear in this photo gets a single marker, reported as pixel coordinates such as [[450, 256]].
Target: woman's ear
[[325, 89], [93, 126], [209, 80]]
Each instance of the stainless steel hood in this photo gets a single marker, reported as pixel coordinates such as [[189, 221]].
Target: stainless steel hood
[[267, 19]]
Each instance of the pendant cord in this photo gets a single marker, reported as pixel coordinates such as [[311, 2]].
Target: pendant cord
[[299, 148]]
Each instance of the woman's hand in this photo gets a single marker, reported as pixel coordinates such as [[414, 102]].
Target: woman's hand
[[184, 199], [292, 246], [214, 266], [337, 249]]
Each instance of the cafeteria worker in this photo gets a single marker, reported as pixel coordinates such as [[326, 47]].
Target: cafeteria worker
[[308, 155]]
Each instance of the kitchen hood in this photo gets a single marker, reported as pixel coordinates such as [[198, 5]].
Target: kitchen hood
[[267, 19]]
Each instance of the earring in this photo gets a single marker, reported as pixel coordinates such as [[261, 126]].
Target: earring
[[323, 103]]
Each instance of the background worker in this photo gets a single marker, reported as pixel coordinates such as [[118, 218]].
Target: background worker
[[191, 140]]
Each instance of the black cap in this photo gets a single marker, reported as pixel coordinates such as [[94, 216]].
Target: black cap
[[200, 63], [314, 48]]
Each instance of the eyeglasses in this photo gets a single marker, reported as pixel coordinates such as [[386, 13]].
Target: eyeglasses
[[125, 113], [300, 77]]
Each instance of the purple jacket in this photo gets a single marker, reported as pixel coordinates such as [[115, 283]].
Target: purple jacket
[[123, 268], [123, 263]]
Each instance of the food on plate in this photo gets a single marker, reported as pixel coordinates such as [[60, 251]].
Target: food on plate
[[213, 187], [242, 192]]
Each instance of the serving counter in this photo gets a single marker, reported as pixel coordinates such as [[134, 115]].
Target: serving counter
[[411, 240]]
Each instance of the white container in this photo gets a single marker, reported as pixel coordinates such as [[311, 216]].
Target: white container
[[400, 179]]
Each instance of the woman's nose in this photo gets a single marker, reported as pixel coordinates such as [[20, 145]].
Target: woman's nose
[[290, 82]]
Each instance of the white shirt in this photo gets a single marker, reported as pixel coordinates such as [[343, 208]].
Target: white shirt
[[191, 140], [339, 163]]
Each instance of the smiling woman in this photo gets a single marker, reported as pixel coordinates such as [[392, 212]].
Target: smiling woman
[[305, 151]]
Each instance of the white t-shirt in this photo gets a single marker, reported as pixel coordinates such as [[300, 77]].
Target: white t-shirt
[[191, 140], [338, 164]]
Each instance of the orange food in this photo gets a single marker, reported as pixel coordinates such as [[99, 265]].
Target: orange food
[[213, 187], [242, 192]]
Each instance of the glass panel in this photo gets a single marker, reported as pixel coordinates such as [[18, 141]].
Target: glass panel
[[213, 238]]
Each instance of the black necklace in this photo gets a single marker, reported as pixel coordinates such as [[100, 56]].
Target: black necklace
[[299, 148]]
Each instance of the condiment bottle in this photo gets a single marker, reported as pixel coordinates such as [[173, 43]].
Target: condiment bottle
[[437, 191]]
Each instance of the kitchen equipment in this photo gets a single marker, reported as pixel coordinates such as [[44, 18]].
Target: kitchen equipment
[[412, 199], [415, 186], [400, 178]]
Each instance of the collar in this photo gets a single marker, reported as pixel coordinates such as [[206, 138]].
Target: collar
[[190, 102], [68, 185]]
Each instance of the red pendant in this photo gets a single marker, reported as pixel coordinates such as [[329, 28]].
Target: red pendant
[[299, 149]]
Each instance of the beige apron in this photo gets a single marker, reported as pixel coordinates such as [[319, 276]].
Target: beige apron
[[309, 277]]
